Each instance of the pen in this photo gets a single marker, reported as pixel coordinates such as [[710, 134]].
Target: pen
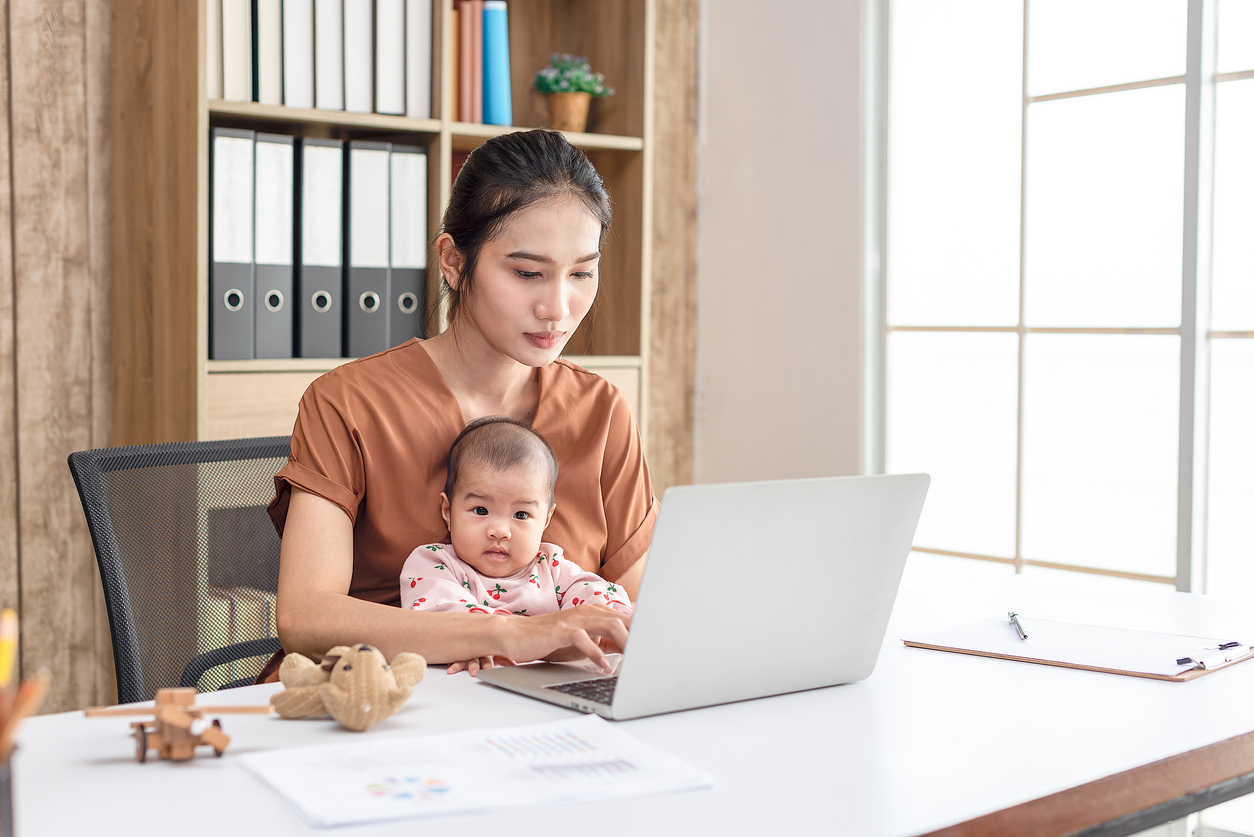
[[1014, 620]]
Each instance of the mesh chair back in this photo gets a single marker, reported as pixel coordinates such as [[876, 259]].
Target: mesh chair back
[[188, 558]]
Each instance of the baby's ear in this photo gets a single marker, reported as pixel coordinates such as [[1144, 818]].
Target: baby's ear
[[549, 519], [444, 509]]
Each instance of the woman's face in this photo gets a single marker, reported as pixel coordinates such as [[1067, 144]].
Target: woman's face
[[536, 280]]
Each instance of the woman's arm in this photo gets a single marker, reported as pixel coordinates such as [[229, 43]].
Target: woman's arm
[[315, 611]]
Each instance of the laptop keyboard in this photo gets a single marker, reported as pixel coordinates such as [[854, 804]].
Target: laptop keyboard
[[600, 690]]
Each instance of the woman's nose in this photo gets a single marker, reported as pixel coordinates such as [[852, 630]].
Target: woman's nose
[[555, 304]]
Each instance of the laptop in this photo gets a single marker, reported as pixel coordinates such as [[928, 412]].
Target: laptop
[[752, 589]]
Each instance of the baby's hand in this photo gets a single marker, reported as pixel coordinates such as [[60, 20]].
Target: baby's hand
[[473, 666]]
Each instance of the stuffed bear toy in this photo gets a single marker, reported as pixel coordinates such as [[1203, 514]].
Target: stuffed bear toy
[[355, 685]]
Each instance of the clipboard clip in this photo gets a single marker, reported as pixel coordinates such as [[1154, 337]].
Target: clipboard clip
[[1224, 653]]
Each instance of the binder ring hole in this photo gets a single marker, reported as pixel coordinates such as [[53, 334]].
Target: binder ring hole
[[369, 302], [274, 300], [321, 302], [233, 299], [408, 302]]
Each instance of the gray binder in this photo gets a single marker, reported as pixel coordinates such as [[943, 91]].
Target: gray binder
[[320, 282], [367, 289], [409, 243], [274, 245], [231, 300]]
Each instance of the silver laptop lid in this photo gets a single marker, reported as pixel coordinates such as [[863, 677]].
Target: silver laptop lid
[[756, 589]]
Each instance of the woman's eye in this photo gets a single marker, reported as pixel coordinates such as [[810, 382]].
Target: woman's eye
[[583, 274], [479, 510], [521, 515], [529, 274]]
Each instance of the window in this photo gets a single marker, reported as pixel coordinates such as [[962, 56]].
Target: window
[[1070, 283]]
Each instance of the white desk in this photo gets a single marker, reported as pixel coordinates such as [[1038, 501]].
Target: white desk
[[930, 740]]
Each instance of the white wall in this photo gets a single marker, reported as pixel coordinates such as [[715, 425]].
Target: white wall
[[779, 306]]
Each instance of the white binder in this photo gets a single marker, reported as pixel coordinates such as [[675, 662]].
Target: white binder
[[329, 54], [409, 243], [213, 49], [276, 165], [358, 56], [389, 56], [418, 59], [231, 242], [367, 288], [237, 50], [320, 282], [270, 52], [298, 53]]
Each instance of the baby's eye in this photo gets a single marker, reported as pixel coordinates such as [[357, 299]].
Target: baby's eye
[[479, 510], [522, 515]]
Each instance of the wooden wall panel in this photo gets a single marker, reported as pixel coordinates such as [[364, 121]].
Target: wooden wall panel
[[8, 432], [59, 276], [99, 185], [673, 333], [157, 142]]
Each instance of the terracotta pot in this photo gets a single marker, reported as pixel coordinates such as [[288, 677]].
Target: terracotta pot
[[568, 111]]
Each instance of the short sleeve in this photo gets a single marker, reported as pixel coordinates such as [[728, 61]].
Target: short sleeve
[[627, 492], [325, 458]]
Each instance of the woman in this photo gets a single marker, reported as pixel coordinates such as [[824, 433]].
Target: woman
[[519, 252]]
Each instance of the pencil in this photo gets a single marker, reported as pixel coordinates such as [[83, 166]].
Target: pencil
[[30, 694]]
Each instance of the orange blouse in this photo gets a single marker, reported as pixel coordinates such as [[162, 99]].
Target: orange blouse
[[372, 436]]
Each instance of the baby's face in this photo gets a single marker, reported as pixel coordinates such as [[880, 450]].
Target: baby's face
[[496, 518]]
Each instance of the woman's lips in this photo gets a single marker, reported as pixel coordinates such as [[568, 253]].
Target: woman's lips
[[544, 339]]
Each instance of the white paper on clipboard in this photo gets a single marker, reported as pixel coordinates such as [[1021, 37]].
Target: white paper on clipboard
[[1093, 647]]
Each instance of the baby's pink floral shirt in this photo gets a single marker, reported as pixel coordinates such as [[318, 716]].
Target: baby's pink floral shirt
[[435, 579]]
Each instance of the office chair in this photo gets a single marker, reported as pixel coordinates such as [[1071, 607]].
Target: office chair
[[188, 559]]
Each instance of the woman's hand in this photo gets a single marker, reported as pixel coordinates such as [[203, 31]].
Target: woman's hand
[[567, 635], [479, 663]]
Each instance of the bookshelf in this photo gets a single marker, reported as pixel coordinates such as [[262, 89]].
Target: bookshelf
[[164, 386]]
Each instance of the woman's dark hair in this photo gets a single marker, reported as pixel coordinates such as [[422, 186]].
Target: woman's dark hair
[[499, 443], [505, 175]]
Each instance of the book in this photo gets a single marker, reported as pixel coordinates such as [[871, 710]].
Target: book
[[455, 65], [329, 54], [465, 55], [358, 56], [418, 59], [497, 107], [389, 56], [269, 51], [213, 49], [298, 53], [476, 61]]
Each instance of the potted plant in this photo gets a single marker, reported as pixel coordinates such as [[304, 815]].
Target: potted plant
[[569, 84]]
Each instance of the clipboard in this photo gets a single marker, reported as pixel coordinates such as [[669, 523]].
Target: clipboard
[[1157, 656]]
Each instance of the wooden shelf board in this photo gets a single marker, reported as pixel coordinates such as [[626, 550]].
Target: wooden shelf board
[[291, 364], [605, 361], [467, 135], [321, 364], [379, 121]]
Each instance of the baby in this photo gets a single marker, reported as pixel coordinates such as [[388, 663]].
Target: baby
[[497, 501]]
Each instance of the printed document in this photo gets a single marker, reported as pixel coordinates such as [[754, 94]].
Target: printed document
[[579, 760]]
